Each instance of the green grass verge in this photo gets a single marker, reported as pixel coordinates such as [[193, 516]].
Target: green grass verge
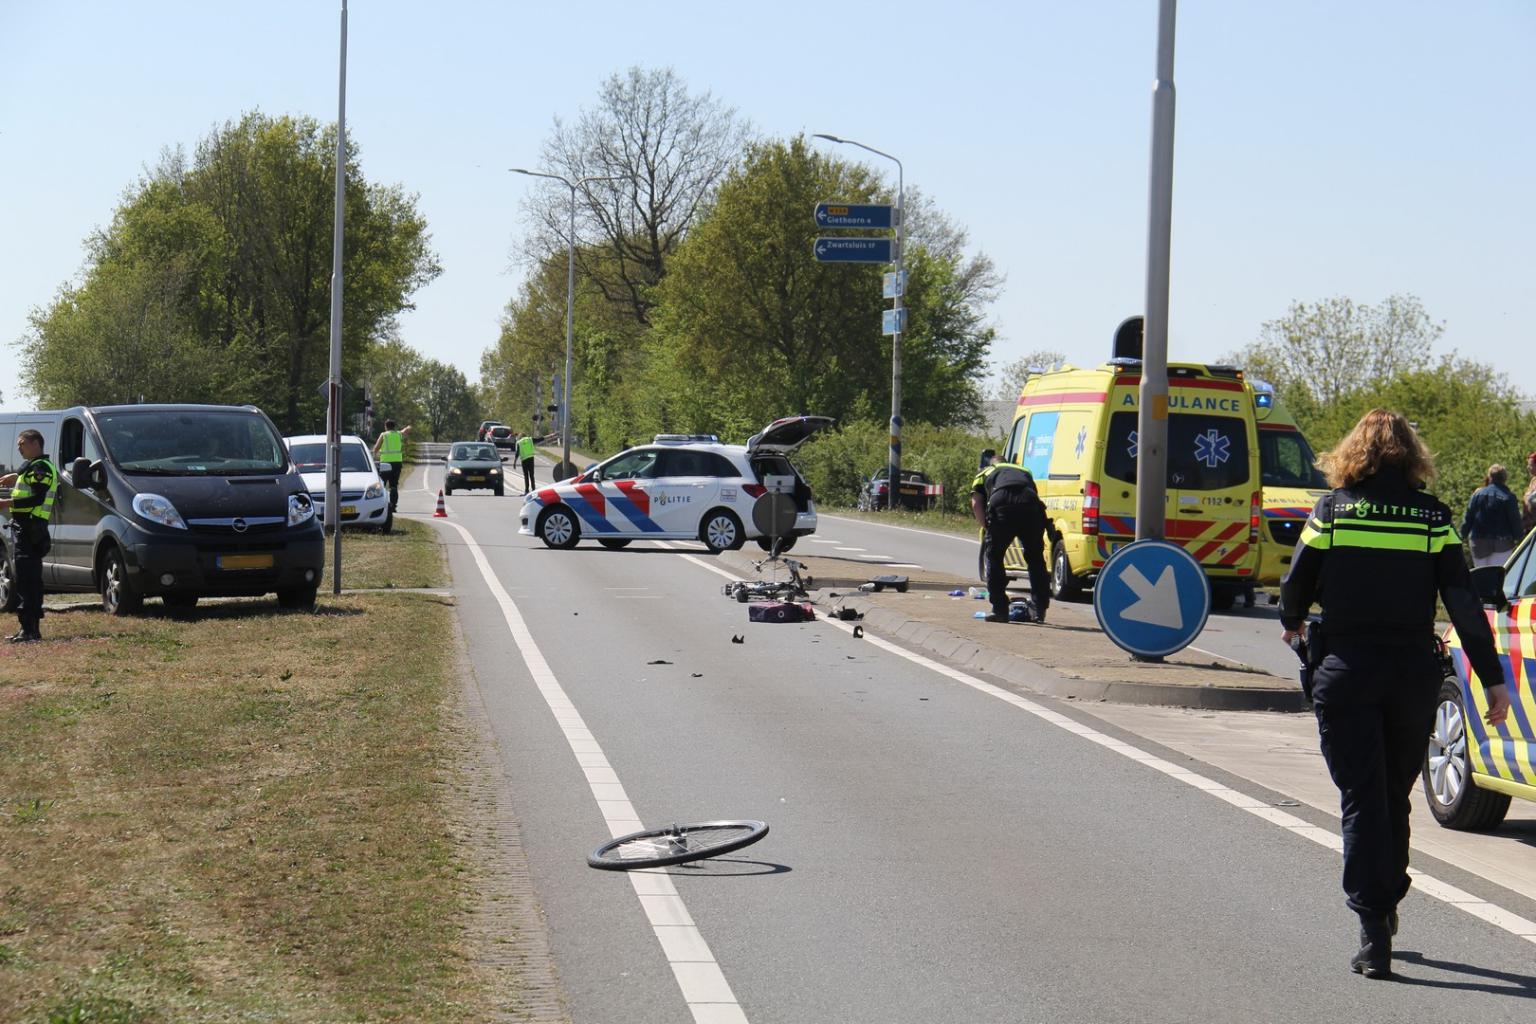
[[238, 814], [408, 556]]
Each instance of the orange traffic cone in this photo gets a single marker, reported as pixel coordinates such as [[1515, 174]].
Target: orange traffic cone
[[442, 511]]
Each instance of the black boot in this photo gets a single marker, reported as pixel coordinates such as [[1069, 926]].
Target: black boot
[[1374, 960]]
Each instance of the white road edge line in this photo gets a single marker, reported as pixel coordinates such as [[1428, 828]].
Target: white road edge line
[[699, 977], [1426, 884]]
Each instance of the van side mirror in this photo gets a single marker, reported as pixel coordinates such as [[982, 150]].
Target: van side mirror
[[82, 473], [1488, 582]]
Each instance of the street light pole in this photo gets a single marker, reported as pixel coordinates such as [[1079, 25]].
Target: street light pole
[[570, 308], [893, 467]]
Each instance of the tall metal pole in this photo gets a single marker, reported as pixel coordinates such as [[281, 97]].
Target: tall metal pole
[[1152, 418], [333, 389], [570, 305]]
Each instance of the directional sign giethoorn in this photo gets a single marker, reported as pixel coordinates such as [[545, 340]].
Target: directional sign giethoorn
[[848, 215], [1152, 598], [852, 250]]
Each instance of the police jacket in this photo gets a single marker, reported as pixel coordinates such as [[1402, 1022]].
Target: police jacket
[[1002, 484], [1375, 556]]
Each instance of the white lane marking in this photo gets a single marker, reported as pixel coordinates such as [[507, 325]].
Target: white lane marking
[[1427, 884], [907, 529], [703, 985], [850, 549], [820, 540], [903, 565], [426, 477]]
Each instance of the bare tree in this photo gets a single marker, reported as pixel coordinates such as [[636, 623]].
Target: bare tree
[[667, 149], [1011, 379]]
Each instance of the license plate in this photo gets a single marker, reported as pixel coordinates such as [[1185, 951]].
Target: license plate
[[475, 479], [349, 510], [244, 561]]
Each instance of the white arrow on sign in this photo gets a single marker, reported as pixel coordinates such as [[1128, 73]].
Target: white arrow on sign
[[1156, 604]]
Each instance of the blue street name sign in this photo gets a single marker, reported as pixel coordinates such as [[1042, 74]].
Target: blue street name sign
[[893, 321], [845, 215], [1152, 598], [891, 287], [852, 250]]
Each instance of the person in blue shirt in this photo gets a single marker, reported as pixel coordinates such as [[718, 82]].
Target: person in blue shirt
[[1491, 525]]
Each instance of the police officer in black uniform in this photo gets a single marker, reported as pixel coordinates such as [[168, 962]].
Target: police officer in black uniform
[[1007, 504], [1374, 554], [33, 488]]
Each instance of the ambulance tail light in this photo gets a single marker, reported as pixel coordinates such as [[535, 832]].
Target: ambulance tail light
[[1090, 508], [1254, 507], [755, 490]]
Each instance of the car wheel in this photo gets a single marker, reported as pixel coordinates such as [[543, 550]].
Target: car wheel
[[1222, 599], [614, 543], [8, 595], [785, 543], [180, 602], [1454, 800], [721, 531], [298, 598], [557, 527], [117, 594], [1064, 585], [389, 521], [497, 490], [447, 489]]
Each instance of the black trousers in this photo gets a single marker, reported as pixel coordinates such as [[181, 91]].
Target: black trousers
[[1375, 706], [394, 470], [30, 551], [1025, 523], [527, 475]]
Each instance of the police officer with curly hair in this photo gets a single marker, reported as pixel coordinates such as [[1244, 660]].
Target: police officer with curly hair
[[33, 488], [1374, 554]]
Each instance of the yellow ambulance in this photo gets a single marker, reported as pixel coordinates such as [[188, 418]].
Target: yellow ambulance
[[1292, 482], [1075, 430]]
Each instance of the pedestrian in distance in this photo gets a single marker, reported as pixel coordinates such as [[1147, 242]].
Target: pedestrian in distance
[[1374, 554], [1528, 503], [33, 488], [1007, 505], [390, 448], [1491, 525], [525, 456]]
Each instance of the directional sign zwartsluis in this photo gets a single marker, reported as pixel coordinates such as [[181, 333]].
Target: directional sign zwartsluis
[[1152, 598], [852, 250], [843, 215]]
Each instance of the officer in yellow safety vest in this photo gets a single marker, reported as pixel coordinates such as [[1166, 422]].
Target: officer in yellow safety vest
[[525, 455], [390, 448], [33, 487]]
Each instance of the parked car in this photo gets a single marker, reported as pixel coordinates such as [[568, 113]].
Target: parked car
[[680, 490], [472, 466], [1472, 769], [915, 492], [502, 436], [484, 433], [171, 501], [364, 497]]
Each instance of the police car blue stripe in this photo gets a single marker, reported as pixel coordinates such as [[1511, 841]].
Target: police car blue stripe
[[588, 514], [1478, 729], [625, 504]]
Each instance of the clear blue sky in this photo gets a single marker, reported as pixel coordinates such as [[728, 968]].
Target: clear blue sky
[[1323, 148]]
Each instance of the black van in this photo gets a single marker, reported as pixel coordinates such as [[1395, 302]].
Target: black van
[[170, 501]]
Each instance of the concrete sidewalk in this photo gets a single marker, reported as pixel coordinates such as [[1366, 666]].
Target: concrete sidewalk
[[1063, 660]]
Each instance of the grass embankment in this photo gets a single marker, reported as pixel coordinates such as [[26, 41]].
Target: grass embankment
[[238, 814], [947, 522], [408, 556]]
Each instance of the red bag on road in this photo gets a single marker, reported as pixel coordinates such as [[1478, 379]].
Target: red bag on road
[[779, 611]]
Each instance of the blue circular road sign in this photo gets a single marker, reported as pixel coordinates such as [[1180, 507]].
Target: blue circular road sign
[[1152, 598]]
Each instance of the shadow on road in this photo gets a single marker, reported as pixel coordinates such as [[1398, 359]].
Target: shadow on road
[[1499, 983]]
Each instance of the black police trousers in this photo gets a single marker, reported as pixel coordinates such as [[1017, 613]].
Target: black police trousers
[[1375, 705], [30, 551], [1024, 522], [395, 471]]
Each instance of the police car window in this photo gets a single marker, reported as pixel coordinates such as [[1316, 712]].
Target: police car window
[[637, 465], [1205, 453], [1286, 460], [683, 463], [1520, 580]]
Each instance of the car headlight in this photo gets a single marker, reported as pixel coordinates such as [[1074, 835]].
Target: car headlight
[[300, 509], [375, 490], [455, 471], [495, 472], [158, 510]]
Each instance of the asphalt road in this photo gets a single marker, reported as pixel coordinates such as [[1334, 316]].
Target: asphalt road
[[940, 850]]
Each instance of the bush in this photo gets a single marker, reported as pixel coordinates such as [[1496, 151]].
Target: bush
[[837, 462]]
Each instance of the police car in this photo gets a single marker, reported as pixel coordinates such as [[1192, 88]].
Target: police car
[[1472, 769], [679, 487]]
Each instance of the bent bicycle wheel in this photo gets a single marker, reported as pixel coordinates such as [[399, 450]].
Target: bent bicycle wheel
[[676, 844]]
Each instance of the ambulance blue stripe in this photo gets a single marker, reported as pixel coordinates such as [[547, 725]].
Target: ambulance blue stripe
[[588, 514], [626, 505]]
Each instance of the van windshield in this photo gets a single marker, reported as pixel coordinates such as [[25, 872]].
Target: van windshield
[[1205, 453], [1286, 460], [205, 442], [310, 457]]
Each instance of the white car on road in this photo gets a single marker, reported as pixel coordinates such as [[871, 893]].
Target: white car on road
[[364, 496], [680, 487]]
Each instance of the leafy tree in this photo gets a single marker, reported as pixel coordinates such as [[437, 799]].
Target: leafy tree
[[213, 281], [1014, 376], [1334, 347], [392, 372], [447, 401]]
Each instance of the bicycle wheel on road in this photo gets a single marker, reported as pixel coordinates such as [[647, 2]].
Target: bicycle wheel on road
[[677, 844]]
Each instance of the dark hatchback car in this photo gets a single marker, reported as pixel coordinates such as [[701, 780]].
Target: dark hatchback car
[[916, 491], [501, 435], [471, 466]]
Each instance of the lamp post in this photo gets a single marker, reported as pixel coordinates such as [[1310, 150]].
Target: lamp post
[[570, 305], [894, 459]]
